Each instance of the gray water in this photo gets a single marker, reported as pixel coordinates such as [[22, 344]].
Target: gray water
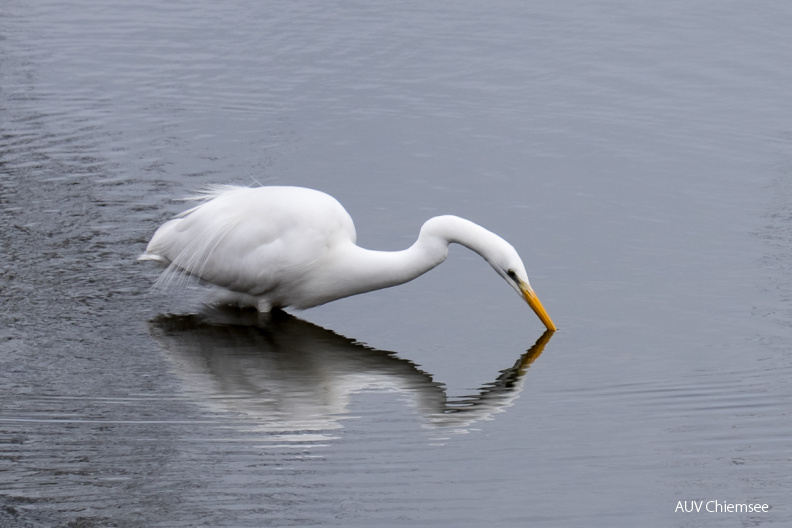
[[637, 154]]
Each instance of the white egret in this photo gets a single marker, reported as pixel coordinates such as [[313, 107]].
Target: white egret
[[274, 247]]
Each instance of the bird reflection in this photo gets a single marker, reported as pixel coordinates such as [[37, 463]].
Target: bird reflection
[[288, 376]]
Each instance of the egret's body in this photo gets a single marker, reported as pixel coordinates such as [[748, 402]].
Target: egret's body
[[274, 247]]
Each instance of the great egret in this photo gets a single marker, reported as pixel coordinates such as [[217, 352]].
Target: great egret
[[273, 247]]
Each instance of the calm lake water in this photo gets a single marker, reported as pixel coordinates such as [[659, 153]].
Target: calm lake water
[[637, 154]]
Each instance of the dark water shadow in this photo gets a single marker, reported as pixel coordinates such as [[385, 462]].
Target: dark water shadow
[[286, 375]]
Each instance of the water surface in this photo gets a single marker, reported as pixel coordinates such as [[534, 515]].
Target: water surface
[[636, 155]]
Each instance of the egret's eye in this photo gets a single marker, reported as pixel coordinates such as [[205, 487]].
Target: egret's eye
[[512, 275]]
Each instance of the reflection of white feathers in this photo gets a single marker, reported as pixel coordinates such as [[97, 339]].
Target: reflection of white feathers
[[285, 376], [274, 247]]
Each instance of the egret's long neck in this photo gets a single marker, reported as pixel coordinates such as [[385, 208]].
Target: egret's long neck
[[362, 270]]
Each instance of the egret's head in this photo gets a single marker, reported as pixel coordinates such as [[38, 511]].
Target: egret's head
[[440, 231], [509, 265]]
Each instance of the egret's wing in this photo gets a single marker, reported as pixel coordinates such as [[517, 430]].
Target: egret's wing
[[251, 240]]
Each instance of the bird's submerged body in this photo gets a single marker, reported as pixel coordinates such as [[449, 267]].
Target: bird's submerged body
[[278, 246]]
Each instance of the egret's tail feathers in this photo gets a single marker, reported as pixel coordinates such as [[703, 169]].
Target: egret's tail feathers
[[171, 276], [188, 256], [191, 262], [154, 257], [210, 192]]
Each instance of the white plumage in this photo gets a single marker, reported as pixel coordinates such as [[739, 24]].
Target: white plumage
[[274, 247]]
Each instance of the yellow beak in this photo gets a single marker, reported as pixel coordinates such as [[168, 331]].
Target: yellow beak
[[533, 301]]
